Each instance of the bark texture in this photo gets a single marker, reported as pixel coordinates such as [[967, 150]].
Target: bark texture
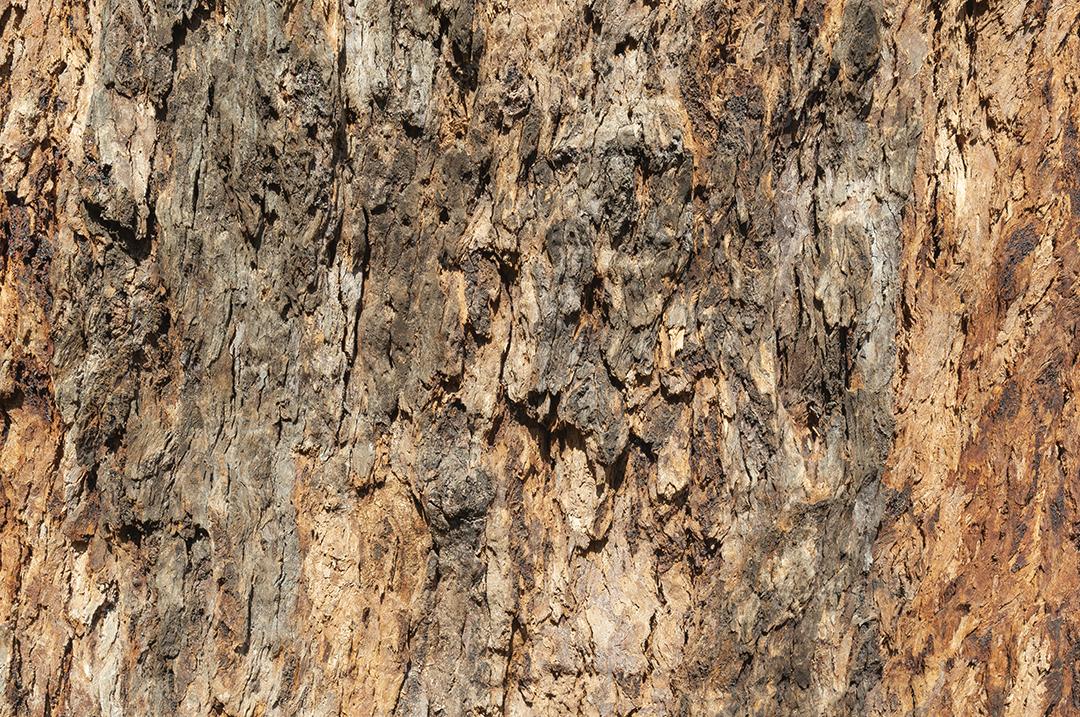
[[474, 357]]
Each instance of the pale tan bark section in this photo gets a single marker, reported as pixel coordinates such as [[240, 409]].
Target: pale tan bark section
[[977, 562]]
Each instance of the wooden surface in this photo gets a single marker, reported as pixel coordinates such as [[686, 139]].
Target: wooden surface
[[539, 358]]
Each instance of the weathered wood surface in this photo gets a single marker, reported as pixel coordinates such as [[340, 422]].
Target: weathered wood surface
[[457, 357]]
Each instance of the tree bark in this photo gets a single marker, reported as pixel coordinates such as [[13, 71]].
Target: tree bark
[[457, 357]]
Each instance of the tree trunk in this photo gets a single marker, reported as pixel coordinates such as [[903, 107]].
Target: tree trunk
[[544, 358]]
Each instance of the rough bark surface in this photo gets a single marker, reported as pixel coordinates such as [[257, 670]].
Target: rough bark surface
[[475, 357]]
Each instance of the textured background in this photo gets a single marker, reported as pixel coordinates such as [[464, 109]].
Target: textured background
[[539, 357]]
